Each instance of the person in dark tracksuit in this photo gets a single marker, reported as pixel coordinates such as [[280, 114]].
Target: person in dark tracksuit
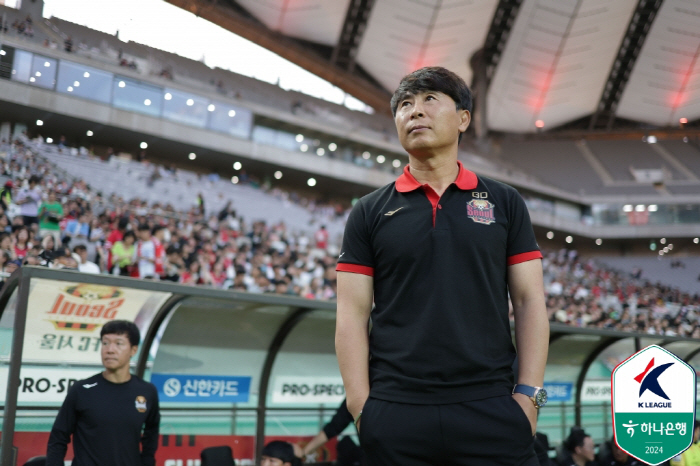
[[347, 450], [439, 252], [113, 416]]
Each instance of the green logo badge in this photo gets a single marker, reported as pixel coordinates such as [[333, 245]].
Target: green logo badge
[[653, 403]]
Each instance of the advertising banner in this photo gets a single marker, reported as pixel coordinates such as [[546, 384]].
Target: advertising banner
[[596, 390], [202, 388], [313, 390], [558, 391], [64, 319], [45, 384]]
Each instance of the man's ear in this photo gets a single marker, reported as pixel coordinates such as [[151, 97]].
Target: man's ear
[[464, 119], [134, 350]]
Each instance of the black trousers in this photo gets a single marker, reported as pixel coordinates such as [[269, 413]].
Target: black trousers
[[492, 431]]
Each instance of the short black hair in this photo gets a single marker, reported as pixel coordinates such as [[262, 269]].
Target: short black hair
[[129, 233], [123, 223], [144, 227], [122, 327], [575, 439], [156, 229], [281, 450], [79, 248], [434, 78]]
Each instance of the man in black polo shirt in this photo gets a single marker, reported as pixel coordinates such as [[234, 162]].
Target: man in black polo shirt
[[439, 252]]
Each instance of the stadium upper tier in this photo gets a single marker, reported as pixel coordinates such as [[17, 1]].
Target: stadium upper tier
[[130, 179], [197, 75], [596, 168]]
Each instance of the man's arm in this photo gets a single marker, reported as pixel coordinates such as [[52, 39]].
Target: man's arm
[[341, 419], [531, 328], [315, 442], [149, 439], [63, 428], [355, 295]]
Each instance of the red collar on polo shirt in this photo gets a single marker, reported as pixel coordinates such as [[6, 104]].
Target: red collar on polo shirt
[[465, 181]]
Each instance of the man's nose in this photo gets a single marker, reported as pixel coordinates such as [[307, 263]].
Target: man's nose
[[417, 110]]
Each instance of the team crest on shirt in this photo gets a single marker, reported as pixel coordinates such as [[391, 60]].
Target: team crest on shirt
[[141, 404], [481, 211]]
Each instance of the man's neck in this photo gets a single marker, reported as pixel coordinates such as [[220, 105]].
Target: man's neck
[[579, 460], [437, 172], [118, 376]]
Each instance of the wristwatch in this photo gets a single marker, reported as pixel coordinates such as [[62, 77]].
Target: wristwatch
[[538, 395]]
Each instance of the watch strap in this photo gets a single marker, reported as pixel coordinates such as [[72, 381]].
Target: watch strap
[[525, 389]]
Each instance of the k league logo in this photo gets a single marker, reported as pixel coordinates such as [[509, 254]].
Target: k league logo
[[649, 380], [653, 404]]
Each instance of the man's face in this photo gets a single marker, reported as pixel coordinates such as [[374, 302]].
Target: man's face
[[116, 351], [270, 461], [67, 261], [587, 451], [428, 121]]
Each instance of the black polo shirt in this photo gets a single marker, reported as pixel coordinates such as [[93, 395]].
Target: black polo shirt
[[440, 329]]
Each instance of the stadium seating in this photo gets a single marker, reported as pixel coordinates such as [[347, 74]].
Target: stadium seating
[[682, 272], [129, 179], [607, 170]]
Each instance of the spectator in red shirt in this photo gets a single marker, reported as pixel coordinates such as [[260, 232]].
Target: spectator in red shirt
[[158, 238], [321, 237], [22, 244]]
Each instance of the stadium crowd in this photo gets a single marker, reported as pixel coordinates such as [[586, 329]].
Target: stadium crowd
[[47, 219], [583, 293]]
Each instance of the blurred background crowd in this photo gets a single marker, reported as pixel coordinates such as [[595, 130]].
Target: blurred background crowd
[[49, 220]]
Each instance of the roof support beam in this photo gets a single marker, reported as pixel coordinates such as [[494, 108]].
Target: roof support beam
[[351, 34], [637, 30], [233, 21], [485, 60], [497, 37]]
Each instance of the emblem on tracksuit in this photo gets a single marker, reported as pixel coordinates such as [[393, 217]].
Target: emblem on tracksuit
[[141, 404], [481, 211]]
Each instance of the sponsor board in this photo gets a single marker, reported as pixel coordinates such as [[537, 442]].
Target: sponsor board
[[202, 388], [653, 403], [316, 390], [66, 318], [44, 384], [596, 391], [558, 391]]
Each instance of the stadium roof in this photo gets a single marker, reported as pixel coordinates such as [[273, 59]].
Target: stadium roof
[[571, 64]]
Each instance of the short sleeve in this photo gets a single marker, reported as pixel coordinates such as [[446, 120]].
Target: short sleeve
[[522, 246], [356, 255]]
